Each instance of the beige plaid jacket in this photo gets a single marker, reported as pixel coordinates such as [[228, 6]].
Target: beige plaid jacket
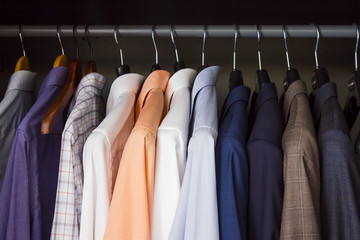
[[301, 207]]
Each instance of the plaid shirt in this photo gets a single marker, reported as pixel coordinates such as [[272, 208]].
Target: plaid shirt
[[88, 112]]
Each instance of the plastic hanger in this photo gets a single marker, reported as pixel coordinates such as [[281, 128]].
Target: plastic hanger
[[23, 62], [352, 104], [321, 74], [156, 66], [179, 64], [91, 65], [123, 68], [292, 74], [203, 66], [262, 75], [236, 78], [72, 81], [61, 60]]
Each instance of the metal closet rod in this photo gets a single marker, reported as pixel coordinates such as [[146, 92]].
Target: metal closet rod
[[295, 31]]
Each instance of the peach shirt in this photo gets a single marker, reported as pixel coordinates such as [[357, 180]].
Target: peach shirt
[[131, 205]]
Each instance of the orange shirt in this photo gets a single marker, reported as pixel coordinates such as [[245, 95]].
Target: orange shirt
[[131, 204]]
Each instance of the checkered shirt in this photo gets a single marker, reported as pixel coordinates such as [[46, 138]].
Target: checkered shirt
[[88, 112]]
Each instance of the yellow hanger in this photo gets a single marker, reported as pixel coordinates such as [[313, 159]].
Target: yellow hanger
[[61, 60], [23, 62], [72, 81]]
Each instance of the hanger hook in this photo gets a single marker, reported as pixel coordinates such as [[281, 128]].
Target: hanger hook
[[286, 47], [203, 47], [153, 39], [21, 40], [173, 41], [58, 30], [116, 29], [76, 41], [356, 46], [235, 41], [317, 46], [87, 33], [259, 50]]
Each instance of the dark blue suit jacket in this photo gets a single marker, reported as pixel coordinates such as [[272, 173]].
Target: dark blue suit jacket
[[340, 178], [232, 166], [266, 187]]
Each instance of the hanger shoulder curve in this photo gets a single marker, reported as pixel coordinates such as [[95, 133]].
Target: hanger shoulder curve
[[61, 60], [91, 67], [22, 64], [53, 114]]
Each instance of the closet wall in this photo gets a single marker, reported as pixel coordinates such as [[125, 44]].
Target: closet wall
[[336, 54]]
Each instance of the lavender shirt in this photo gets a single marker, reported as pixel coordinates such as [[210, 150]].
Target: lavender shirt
[[27, 198]]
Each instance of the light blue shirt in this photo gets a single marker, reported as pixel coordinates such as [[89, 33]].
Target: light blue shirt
[[196, 214]]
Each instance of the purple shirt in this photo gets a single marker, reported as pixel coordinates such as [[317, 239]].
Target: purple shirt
[[27, 198]]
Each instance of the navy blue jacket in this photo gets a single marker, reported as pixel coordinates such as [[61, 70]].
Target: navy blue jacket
[[232, 166], [266, 186]]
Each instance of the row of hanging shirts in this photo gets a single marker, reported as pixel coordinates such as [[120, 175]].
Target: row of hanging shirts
[[64, 225]]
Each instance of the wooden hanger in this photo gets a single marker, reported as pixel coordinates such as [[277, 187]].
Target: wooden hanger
[[72, 81], [91, 65], [61, 60], [23, 62]]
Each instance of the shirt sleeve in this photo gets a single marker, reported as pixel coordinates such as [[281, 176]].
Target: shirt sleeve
[[130, 211], [97, 187], [197, 214], [19, 213], [169, 171]]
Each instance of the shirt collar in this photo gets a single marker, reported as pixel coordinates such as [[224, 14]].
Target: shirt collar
[[183, 78], [57, 76], [326, 91], [207, 77], [22, 80], [156, 79], [95, 81], [240, 93], [130, 82], [267, 92], [297, 87]]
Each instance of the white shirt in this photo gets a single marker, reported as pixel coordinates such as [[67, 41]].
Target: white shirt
[[102, 153], [196, 214], [171, 146]]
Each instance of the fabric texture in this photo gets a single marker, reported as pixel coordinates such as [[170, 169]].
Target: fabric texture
[[131, 205], [171, 146], [301, 206], [88, 111], [18, 99], [232, 178], [196, 215], [340, 178], [27, 199], [102, 153], [266, 184]]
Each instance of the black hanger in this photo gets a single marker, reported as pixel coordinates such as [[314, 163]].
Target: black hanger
[[292, 74], [322, 76], [262, 75], [123, 68], [156, 66], [352, 104], [321, 73], [179, 64], [236, 78]]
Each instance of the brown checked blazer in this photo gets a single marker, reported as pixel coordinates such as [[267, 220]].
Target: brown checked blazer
[[301, 207]]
